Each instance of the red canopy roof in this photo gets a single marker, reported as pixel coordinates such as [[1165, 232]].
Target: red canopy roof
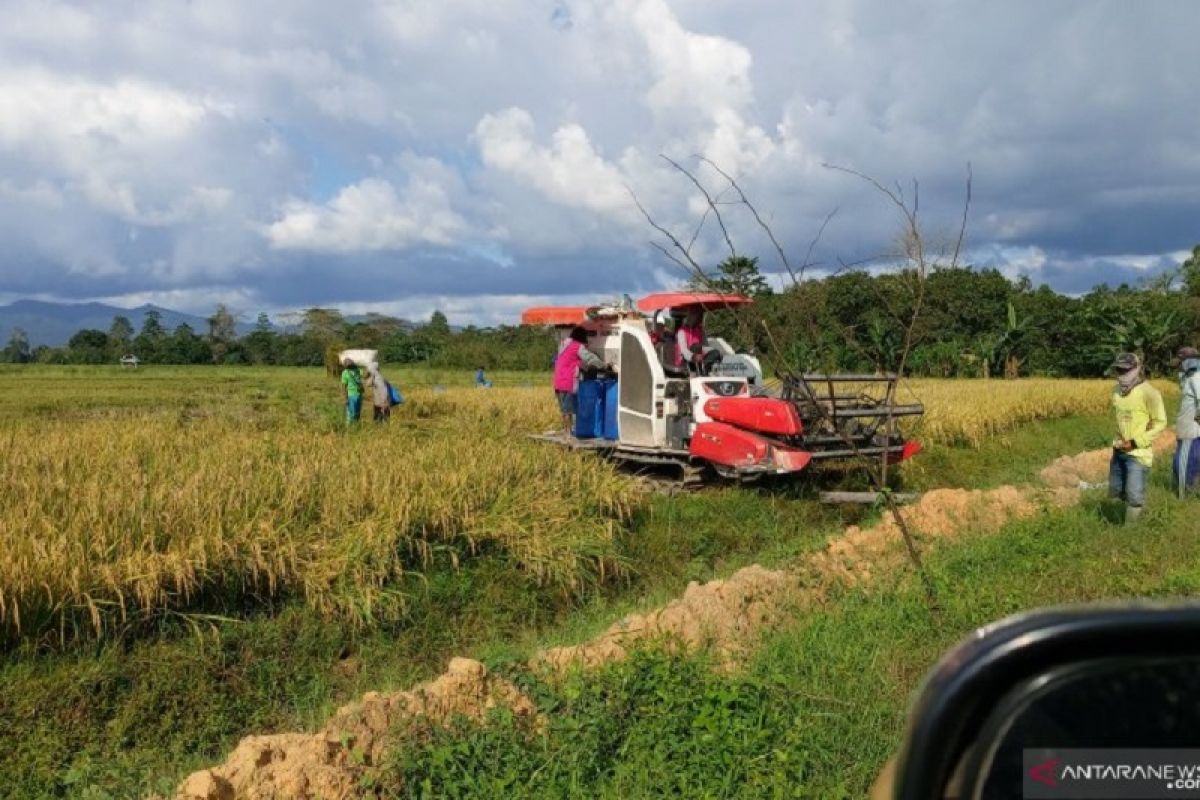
[[707, 301], [554, 315]]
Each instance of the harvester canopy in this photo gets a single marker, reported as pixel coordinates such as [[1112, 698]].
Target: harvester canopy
[[705, 301], [554, 315]]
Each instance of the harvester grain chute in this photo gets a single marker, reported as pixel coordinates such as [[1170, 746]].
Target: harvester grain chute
[[713, 414]]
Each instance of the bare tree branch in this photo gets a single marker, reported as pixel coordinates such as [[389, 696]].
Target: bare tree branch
[[711, 204], [962, 228], [691, 265], [812, 245], [757, 218], [704, 217], [686, 268]]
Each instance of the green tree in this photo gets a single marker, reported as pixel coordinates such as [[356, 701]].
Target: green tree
[[325, 325], [383, 325], [972, 303], [1190, 271], [44, 354], [222, 332], [735, 275], [438, 327], [183, 346], [152, 326], [88, 346], [148, 344], [882, 344], [120, 336], [222, 327], [17, 350], [261, 343], [1151, 323]]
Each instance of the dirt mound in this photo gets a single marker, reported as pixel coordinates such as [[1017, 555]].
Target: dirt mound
[[1067, 476], [1069, 472], [723, 615], [327, 764], [942, 513], [1074, 472]]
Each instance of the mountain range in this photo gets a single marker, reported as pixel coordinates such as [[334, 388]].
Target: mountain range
[[54, 323]]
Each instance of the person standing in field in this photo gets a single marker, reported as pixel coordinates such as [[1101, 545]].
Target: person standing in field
[[352, 391], [566, 373], [1185, 469], [481, 381], [380, 396], [1140, 418]]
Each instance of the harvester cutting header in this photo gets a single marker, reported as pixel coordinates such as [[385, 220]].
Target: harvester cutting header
[[688, 400]]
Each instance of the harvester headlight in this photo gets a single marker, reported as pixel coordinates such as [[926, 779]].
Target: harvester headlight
[[725, 388]]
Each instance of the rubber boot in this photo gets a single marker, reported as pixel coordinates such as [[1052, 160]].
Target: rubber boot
[[1132, 513]]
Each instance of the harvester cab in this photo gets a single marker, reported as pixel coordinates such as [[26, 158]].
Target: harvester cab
[[688, 400]]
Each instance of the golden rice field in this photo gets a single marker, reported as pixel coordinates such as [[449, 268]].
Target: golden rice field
[[192, 490], [968, 412], [179, 491]]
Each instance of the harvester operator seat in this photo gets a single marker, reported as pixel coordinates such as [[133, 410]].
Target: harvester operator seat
[[665, 350]]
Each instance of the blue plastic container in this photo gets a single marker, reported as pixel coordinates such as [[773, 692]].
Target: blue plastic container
[[610, 409], [589, 410]]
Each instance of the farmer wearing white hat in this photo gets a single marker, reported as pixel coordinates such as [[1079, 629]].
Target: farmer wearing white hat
[[1140, 418]]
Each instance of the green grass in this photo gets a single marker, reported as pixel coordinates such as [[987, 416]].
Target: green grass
[[822, 705], [1013, 457]]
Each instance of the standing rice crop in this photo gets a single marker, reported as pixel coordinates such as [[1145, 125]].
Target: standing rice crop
[[112, 519]]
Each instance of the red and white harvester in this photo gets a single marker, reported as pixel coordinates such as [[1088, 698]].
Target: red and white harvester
[[717, 415]]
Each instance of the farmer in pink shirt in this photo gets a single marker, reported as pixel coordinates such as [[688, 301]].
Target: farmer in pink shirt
[[566, 373], [689, 339]]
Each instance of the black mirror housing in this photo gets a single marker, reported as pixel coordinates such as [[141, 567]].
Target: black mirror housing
[[1017, 695]]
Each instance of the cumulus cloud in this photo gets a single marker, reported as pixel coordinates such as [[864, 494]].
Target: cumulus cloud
[[569, 171], [455, 149], [47, 112], [368, 216]]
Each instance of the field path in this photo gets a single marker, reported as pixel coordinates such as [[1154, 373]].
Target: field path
[[727, 615]]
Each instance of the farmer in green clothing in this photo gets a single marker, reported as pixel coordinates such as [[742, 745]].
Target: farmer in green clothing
[[1141, 417], [352, 391]]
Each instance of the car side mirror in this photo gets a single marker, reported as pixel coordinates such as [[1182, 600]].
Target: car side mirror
[[1085, 702]]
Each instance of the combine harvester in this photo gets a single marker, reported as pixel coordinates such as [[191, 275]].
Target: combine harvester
[[717, 418]]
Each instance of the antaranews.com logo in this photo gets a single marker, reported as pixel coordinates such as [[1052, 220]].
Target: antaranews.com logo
[[1099, 774]]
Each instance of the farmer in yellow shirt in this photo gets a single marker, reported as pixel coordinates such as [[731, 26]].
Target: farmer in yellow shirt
[[1141, 417]]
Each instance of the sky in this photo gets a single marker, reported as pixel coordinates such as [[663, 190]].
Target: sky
[[480, 156]]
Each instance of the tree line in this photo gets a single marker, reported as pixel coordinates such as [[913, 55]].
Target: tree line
[[974, 323], [318, 333]]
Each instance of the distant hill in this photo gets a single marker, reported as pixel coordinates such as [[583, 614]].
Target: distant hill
[[54, 323]]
